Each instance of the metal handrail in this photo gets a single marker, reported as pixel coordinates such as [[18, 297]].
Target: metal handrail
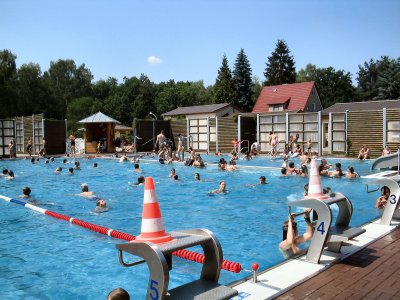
[[148, 141], [190, 141], [248, 145]]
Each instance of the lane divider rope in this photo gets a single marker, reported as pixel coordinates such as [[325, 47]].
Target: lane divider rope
[[185, 254]]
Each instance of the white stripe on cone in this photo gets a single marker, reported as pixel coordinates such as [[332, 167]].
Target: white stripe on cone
[[315, 187], [150, 196], [152, 225]]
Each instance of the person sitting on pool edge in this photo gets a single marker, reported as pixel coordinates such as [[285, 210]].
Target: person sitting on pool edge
[[291, 239], [363, 153]]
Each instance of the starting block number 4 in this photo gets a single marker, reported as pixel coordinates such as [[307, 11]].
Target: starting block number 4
[[321, 228], [154, 294]]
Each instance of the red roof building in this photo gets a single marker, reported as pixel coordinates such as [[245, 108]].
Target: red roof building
[[300, 97]]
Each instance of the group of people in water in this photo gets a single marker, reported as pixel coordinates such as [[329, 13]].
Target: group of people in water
[[292, 239]]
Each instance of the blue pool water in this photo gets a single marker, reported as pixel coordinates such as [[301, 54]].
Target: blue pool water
[[45, 258]]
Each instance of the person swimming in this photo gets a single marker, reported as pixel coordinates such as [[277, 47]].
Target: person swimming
[[262, 180], [26, 192], [140, 180], [85, 191], [221, 189], [58, 170], [291, 238], [101, 206], [197, 176], [10, 175]]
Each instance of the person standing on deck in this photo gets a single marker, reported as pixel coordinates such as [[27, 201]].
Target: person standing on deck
[[181, 148], [72, 142]]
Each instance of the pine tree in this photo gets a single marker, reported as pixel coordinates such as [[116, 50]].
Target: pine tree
[[280, 66], [243, 83], [224, 88], [388, 82]]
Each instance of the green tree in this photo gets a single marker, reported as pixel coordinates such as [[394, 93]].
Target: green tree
[[79, 109], [224, 87], [309, 73], [280, 66], [388, 82], [243, 84], [171, 95], [368, 75], [333, 86], [31, 91], [256, 87], [66, 82], [8, 84], [103, 88]]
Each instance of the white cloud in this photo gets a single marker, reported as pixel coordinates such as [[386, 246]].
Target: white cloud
[[154, 60]]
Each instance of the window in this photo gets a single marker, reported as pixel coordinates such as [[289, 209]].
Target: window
[[393, 131], [276, 107]]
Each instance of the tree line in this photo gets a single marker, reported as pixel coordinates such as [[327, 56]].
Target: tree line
[[66, 90]]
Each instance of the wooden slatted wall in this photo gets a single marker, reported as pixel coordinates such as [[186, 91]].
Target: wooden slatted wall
[[365, 128]]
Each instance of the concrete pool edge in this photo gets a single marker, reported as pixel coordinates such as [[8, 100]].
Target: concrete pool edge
[[280, 278]]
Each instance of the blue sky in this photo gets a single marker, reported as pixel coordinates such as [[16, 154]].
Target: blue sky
[[185, 40]]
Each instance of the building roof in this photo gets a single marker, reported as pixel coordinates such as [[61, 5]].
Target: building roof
[[296, 93], [199, 109], [367, 105], [98, 117]]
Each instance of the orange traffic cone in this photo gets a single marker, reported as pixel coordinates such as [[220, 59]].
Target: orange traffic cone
[[152, 223], [315, 187]]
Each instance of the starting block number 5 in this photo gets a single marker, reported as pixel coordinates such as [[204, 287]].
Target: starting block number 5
[[154, 295]]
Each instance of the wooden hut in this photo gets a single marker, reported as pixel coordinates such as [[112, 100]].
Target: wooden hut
[[99, 128]]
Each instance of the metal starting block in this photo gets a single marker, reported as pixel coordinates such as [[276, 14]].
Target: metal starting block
[[324, 234], [159, 260]]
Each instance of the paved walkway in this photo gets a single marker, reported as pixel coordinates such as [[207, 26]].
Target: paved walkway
[[372, 273]]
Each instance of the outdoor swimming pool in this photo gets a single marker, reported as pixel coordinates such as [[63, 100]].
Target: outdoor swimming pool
[[45, 258]]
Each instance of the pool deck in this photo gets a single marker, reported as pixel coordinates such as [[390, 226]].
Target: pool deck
[[372, 273], [366, 268]]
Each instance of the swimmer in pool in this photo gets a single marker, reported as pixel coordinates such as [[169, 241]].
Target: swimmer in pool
[[197, 176], [262, 180], [10, 175], [221, 189], [26, 192], [291, 240], [140, 180], [101, 206], [58, 170], [85, 191]]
